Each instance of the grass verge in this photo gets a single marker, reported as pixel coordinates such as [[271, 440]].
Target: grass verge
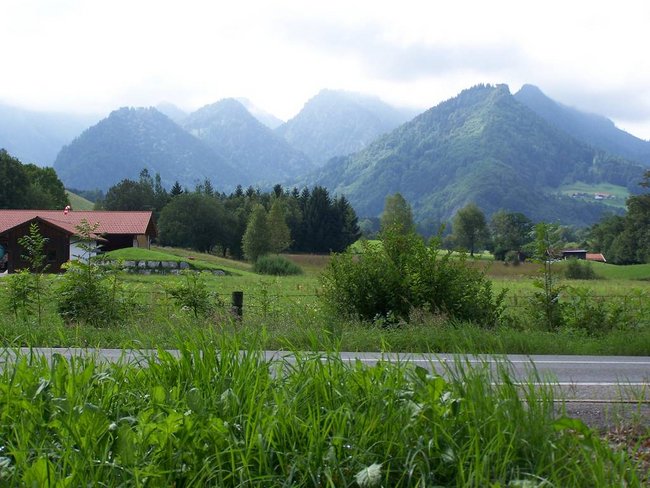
[[215, 416]]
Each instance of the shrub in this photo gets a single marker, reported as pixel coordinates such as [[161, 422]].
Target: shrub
[[20, 293], [403, 274], [579, 270], [90, 292], [512, 257], [276, 265], [192, 294]]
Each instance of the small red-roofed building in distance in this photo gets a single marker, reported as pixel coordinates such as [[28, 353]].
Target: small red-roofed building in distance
[[115, 230], [598, 257]]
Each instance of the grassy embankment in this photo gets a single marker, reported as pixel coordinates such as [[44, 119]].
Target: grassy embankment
[[216, 417]]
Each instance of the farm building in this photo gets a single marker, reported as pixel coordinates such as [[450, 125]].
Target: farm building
[[115, 230], [583, 254]]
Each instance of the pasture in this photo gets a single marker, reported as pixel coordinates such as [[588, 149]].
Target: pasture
[[607, 316]]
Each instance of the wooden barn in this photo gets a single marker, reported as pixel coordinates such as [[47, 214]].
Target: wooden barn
[[115, 230]]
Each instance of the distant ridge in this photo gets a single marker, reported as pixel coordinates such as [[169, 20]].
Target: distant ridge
[[337, 123], [37, 137], [242, 141], [268, 119], [592, 129]]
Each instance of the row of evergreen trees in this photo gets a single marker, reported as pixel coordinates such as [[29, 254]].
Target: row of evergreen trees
[[307, 220]]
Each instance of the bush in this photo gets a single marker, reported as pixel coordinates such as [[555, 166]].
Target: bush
[[579, 270], [192, 294], [276, 265], [389, 281], [511, 257], [92, 294]]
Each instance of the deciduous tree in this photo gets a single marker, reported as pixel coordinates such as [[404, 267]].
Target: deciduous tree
[[256, 240], [469, 228], [397, 215]]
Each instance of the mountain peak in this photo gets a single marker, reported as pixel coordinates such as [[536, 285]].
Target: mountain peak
[[133, 138], [482, 146], [230, 130], [336, 123]]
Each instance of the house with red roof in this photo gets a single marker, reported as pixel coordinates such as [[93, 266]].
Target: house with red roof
[[114, 230]]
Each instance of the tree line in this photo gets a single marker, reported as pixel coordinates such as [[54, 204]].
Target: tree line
[[510, 235], [245, 223], [29, 186]]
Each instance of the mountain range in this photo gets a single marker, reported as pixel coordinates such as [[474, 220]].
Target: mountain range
[[482, 146], [230, 130], [595, 130], [518, 152], [131, 139]]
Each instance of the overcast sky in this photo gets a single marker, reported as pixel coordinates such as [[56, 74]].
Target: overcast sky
[[95, 56]]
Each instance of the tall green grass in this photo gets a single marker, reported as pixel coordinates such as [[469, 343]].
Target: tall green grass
[[217, 416]]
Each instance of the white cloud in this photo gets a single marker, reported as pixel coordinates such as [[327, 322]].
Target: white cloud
[[88, 55]]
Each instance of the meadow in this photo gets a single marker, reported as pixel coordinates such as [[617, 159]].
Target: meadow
[[608, 316]]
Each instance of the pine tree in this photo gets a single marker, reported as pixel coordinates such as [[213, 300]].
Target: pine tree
[[176, 189]]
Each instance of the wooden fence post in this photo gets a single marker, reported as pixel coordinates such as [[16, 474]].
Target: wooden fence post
[[237, 307]]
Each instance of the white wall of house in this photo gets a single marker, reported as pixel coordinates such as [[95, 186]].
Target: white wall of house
[[77, 253]]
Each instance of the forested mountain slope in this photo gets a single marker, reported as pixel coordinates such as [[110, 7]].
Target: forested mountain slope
[[131, 139], [482, 146], [337, 123], [244, 142], [595, 130]]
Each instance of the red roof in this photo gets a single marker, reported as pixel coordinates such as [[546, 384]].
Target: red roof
[[109, 222], [596, 257]]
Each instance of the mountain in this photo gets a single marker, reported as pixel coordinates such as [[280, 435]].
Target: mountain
[[131, 139], [37, 137], [171, 111], [336, 123], [268, 119], [244, 142], [596, 130], [482, 146]]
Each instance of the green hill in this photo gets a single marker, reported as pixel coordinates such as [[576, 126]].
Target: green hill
[[78, 202], [482, 146]]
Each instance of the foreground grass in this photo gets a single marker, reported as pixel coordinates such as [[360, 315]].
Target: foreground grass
[[217, 417]]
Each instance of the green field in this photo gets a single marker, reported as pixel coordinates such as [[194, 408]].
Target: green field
[[587, 192], [289, 313]]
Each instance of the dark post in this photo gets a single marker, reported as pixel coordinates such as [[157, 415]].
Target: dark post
[[237, 304]]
